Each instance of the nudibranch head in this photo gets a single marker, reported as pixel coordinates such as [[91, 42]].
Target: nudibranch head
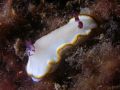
[[80, 24], [48, 49]]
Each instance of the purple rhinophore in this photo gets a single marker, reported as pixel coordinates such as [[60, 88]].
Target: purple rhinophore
[[30, 49], [77, 19], [80, 24]]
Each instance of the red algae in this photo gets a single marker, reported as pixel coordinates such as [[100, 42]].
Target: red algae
[[102, 9], [6, 84], [44, 85], [7, 13]]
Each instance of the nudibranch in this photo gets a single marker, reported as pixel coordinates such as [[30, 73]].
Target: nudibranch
[[48, 49]]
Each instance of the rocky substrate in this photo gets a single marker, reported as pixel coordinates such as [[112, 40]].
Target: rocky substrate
[[92, 65]]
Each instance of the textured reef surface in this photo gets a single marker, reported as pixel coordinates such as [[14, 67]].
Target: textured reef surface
[[92, 65]]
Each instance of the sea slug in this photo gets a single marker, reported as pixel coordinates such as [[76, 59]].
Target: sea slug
[[48, 49]]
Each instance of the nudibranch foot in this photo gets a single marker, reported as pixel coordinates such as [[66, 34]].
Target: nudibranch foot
[[48, 48]]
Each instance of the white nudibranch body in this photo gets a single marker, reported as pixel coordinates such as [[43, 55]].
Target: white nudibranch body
[[46, 55]]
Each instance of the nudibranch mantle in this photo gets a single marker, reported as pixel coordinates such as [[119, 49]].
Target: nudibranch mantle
[[46, 55]]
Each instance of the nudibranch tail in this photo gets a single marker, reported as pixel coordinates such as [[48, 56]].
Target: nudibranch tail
[[30, 49], [48, 48]]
